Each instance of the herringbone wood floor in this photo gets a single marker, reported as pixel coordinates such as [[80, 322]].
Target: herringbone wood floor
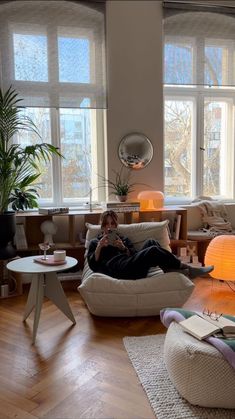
[[80, 371]]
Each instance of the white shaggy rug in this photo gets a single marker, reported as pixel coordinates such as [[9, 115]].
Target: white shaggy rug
[[146, 355]]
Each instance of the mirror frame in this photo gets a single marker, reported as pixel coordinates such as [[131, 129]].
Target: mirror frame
[[129, 151]]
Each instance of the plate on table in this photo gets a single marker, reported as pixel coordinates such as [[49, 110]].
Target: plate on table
[[49, 261]]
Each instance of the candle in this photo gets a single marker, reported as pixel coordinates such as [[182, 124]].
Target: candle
[[59, 255]]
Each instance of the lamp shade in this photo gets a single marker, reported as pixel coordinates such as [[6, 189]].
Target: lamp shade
[[150, 200], [221, 254]]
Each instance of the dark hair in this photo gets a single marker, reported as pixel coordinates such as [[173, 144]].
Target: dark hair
[[105, 215]]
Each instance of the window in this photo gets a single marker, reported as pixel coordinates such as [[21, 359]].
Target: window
[[58, 68], [199, 54]]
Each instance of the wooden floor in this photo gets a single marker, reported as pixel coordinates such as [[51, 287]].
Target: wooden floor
[[80, 371]]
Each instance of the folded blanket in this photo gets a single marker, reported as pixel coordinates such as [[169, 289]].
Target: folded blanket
[[225, 346], [215, 217]]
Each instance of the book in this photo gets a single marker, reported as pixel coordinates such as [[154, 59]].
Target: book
[[51, 210], [176, 233], [121, 206], [203, 326], [20, 237], [170, 216]]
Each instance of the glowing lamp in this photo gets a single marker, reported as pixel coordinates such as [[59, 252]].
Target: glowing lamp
[[221, 254], [150, 200]]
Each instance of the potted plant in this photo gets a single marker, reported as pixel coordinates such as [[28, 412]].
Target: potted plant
[[121, 185], [19, 166]]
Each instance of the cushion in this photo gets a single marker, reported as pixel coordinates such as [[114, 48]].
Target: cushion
[[107, 296], [198, 370], [136, 232]]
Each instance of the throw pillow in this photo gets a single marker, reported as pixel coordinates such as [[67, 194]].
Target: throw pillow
[[138, 233]]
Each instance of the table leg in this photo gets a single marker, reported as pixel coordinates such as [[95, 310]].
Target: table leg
[[38, 306], [32, 297], [55, 292]]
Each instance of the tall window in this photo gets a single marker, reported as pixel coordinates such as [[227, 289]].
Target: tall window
[[199, 62], [53, 54]]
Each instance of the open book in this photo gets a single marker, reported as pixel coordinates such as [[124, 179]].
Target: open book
[[203, 326]]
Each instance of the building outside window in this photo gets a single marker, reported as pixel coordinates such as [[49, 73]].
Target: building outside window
[[199, 104], [58, 68]]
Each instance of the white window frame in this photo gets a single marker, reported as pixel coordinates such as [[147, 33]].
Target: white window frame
[[98, 137], [199, 93]]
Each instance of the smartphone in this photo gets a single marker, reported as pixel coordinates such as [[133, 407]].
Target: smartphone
[[112, 236]]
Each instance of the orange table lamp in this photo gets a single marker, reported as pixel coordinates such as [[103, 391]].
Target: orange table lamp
[[150, 200]]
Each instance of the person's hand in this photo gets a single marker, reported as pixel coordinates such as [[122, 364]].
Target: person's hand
[[119, 243], [103, 242]]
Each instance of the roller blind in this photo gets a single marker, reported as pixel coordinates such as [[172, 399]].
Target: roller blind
[[53, 52], [199, 44]]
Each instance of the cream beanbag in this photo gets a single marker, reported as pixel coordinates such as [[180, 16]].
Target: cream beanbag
[[107, 296], [198, 370]]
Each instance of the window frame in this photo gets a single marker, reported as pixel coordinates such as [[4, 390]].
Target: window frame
[[199, 93]]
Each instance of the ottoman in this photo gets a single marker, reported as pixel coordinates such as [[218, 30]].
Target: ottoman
[[198, 370]]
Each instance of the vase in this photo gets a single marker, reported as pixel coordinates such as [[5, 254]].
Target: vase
[[121, 198], [8, 229]]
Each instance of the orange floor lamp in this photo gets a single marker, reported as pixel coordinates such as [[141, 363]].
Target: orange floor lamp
[[221, 254]]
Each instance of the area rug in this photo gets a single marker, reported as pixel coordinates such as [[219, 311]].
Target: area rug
[[146, 355]]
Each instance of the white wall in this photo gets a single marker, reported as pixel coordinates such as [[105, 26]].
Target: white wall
[[134, 64]]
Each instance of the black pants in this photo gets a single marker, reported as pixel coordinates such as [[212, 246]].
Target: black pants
[[137, 266]]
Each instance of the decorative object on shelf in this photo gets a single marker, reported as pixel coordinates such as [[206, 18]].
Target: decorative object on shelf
[[150, 200], [44, 247], [49, 229], [220, 253], [135, 151]]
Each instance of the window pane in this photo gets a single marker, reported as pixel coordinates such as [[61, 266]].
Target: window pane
[[74, 60], [215, 156], [30, 55], [41, 118], [178, 62], [76, 148], [216, 65], [178, 145]]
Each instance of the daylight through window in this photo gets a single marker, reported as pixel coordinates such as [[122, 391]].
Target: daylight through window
[[199, 84]]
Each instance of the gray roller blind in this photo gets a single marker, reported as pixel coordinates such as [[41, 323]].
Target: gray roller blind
[[53, 52], [199, 44]]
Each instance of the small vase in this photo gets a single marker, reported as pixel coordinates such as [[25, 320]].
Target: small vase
[[121, 198]]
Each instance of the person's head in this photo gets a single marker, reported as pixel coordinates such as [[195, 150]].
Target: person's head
[[109, 220]]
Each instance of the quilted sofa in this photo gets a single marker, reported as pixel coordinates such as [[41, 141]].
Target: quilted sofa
[[107, 296], [195, 224]]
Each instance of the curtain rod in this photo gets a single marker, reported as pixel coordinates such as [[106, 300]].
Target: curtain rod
[[195, 5]]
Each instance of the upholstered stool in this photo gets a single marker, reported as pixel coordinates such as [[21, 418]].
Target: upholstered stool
[[198, 370]]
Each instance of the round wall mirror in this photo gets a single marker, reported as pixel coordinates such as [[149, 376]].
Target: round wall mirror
[[135, 151]]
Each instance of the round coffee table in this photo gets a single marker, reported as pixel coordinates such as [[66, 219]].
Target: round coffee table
[[44, 283]]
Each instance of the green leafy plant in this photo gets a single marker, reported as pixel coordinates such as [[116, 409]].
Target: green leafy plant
[[121, 185], [19, 166]]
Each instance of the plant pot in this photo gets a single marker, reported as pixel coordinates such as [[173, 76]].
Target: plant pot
[[8, 229], [121, 198]]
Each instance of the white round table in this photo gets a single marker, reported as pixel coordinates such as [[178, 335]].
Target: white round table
[[45, 283]]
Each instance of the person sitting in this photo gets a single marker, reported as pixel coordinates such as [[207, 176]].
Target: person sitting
[[120, 259]]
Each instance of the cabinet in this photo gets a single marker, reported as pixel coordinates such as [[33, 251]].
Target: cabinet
[[165, 213], [73, 226]]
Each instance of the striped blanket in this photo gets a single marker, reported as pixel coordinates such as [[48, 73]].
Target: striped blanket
[[225, 346]]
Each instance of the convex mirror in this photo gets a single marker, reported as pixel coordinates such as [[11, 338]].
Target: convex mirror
[[135, 151]]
